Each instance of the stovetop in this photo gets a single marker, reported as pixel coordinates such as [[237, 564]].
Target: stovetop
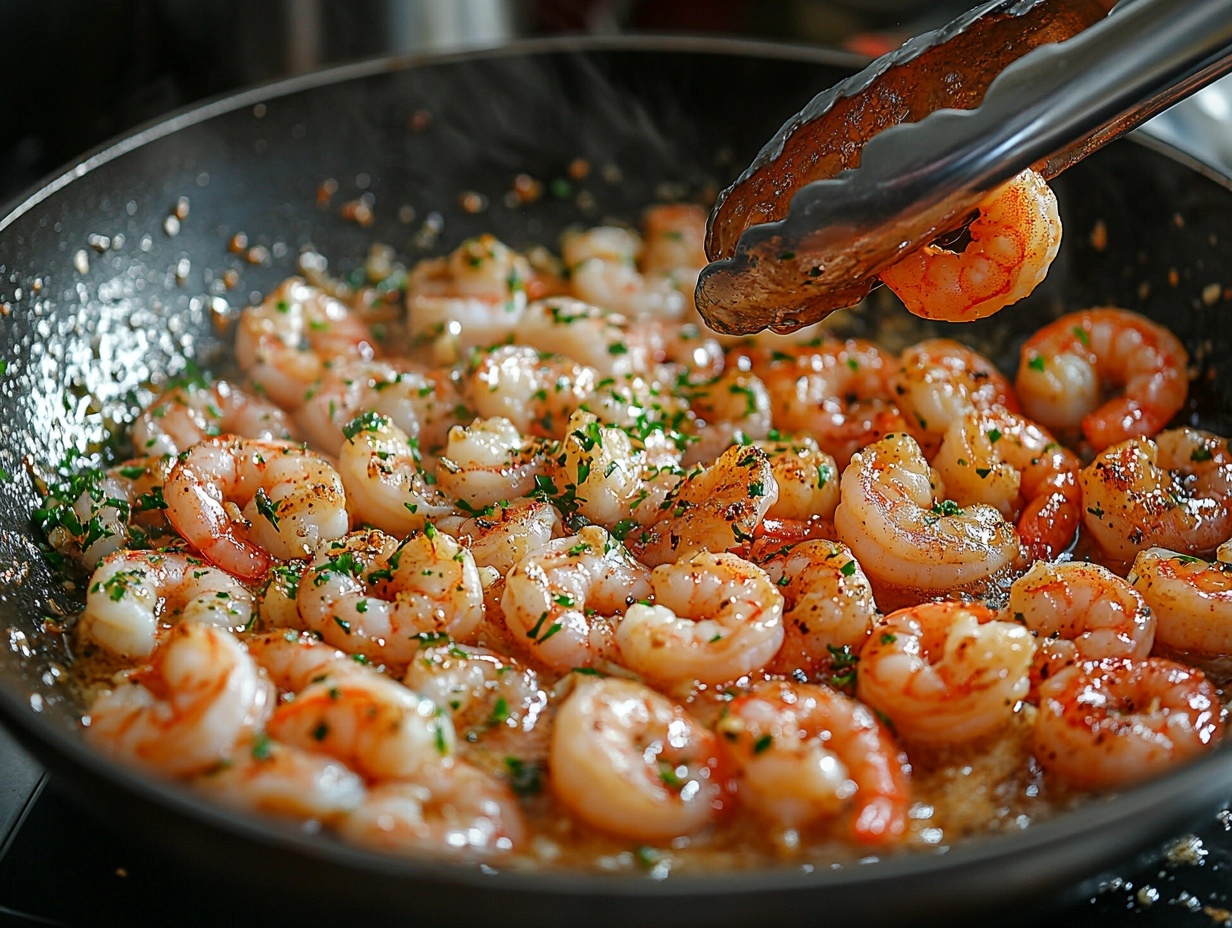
[[60, 867]]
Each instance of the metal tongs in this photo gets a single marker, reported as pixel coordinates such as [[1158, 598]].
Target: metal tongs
[[902, 152]]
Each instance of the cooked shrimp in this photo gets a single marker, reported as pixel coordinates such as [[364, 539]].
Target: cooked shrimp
[[675, 241], [559, 601], [715, 618], [370, 594], [1068, 368], [829, 605], [904, 536], [453, 809], [473, 297], [185, 710], [486, 462], [187, 411], [534, 390], [284, 344], [733, 407], [1014, 239], [715, 509], [945, 673], [265, 776], [378, 728], [97, 512], [939, 382], [292, 659], [134, 595], [838, 392], [603, 270], [1004, 460], [631, 762], [1081, 611], [1114, 722], [1191, 600], [386, 483], [500, 535], [596, 472], [1174, 492], [807, 752], [242, 502], [807, 479]]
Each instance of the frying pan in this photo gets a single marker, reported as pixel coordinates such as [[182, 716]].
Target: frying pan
[[116, 271]]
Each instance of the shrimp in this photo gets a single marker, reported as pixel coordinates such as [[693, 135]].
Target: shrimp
[[185, 710], [187, 411], [96, 512], [1115, 722], [598, 474], [288, 501], [500, 535], [1068, 368], [134, 595], [807, 479], [453, 809], [1004, 460], [946, 672], [838, 392], [1080, 611], [386, 482], [559, 600], [284, 344], [1014, 240], [534, 390], [939, 382], [473, 297], [675, 242], [829, 605], [293, 659], [715, 508], [904, 536], [370, 594], [603, 270], [733, 407], [1174, 492], [807, 752], [486, 462], [629, 761], [1191, 600], [377, 727], [263, 775], [716, 618]]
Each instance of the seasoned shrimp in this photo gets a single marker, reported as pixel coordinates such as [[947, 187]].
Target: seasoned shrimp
[[675, 242], [500, 535], [284, 344], [486, 462], [807, 479], [1004, 460], [242, 502], [292, 659], [1013, 242], [185, 710], [1068, 368], [715, 509], [838, 392], [807, 752], [453, 809], [98, 512], [534, 390], [945, 673], [134, 595], [471, 298], [370, 594], [603, 270], [377, 727], [1191, 600], [904, 536], [733, 407], [1081, 611], [187, 411], [716, 618], [629, 761], [1174, 492], [559, 600], [939, 382], [1114, 722], [829, 605], [386, 483], [596, 470], [265, 776]]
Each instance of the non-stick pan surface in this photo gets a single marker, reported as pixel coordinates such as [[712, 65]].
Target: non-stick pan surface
[[116, 271]]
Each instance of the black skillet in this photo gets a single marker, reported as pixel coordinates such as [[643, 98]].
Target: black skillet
[[104, 289]]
